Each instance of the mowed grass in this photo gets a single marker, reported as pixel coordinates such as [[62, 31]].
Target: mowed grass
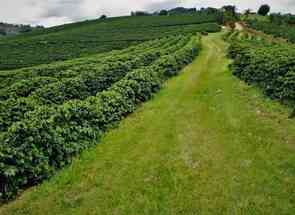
[[206, 144]]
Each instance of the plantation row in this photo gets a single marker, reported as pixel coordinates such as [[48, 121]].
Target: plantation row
[[126, 22], [268, 65], [14, 82], [48, 137], [88, 82], [284, 30], [89, 38]]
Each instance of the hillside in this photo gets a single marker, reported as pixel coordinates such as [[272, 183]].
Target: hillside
[[283, 30], [206, 144], [156, 113], [92, 37], [68, 110]]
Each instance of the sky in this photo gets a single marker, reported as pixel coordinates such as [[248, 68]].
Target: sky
[[55, 12]]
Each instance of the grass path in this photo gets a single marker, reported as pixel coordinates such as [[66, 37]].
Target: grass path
[[206, 144]]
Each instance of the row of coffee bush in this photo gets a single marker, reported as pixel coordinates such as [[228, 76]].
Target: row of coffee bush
[[16, 80], [50, 136], [87, 83], [269, 65]]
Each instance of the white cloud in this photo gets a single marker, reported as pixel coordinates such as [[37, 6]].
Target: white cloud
[[54, 12]]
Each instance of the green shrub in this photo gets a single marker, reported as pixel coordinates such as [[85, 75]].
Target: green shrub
[[33, 149], [267, 65], [97, 36], [88, 83]]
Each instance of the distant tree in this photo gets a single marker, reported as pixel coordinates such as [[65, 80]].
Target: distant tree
[[25, 28], [230, 9], [39, 27], [229, 14], [103, 17], [140, 13], [2, 32], [163, 13], [181, 10], [209, 10], [247, 12], [264, 10]]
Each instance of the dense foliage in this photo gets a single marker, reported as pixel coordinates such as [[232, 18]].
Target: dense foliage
[[28, 94], [47, 138], [263, 10], [278, 30], [92, 37], [268, 65], [279, 18], [7, 29], [67, 69]]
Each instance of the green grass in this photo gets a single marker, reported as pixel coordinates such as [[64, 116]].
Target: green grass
[[206, 144]]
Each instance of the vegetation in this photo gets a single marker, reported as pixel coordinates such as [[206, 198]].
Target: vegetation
[[284, 31], [47, 138], [276, 24], [182, 10], [163, 13], [263, 10], [92, 37], [103, 17], [229, 14], [102, 70], [9, 80], [280, 19], [11, 29], [247, 12], [28, 94], [206, 144], [268, 65]]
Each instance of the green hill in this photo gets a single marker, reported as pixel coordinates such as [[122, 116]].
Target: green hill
[[95, 115], [96, 36], [215, 146]]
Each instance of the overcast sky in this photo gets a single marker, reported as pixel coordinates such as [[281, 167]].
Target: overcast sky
[[56, 12]]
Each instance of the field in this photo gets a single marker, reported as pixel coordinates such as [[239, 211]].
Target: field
[[92, 37], [147, 115], [266, 64], [284, 31], [215, 146], [68, 115]]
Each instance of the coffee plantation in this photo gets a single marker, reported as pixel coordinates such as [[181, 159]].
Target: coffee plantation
[[92, 37], [47, 135], [269, 65]]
